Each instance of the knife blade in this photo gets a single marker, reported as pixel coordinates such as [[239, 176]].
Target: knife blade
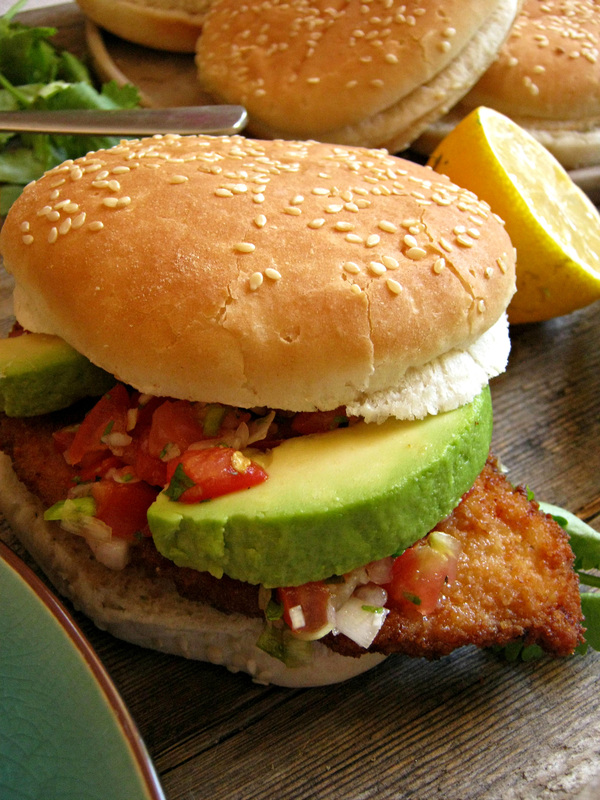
[[214, 119]]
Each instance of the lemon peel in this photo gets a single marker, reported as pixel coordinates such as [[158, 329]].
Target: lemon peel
[[553, 225]]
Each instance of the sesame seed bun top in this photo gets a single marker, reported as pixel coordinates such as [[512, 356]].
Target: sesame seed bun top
[[546, 77], [172, 25], [294, 275], [372, 73], [549, 68]]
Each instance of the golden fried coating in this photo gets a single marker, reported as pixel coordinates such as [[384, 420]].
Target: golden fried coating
[[515, 581]]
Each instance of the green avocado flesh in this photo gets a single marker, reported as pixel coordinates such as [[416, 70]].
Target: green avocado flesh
[[333, 501], [40, 373]]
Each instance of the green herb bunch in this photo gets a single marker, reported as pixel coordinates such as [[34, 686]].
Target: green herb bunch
[[35, 74]]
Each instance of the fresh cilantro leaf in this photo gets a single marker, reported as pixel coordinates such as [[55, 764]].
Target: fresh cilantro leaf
[[179, 483], [34, 74]]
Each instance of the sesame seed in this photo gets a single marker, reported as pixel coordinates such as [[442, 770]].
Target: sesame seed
[[110, 202], [377, 268], [65, 226], [255, 280], [316, 223], [393, 286], [387, 226], [258, 198], [410, 241], [273, 274], [223, 193], [354, 238], [445, 244], [27, 239], [416, 253], [100, 184], [53, 235], [488, 272], [71, 208], [439, 265], [24, 226], [53, 216], [474, 233], [114, 185], [178, 179], [260, 221], [464, 241], [334, 208], [502, 264], [244, 247], [352, 267], [390, 262], [123, 201], [96, 225], [43, 211], [294, 211], [373, 240], [78, 221], [297, 200], [344, 226], [355, 289], [481, 306], [459, 229], [320, 190]]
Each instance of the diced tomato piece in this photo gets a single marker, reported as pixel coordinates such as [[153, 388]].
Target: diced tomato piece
[[147, 467], [306, 422], [63, 438], [109, 415], [174, 422], [306, 608], [420, 574], [124, 506], [199, 475]]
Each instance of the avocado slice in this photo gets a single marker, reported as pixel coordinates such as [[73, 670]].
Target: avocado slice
[[333, 501], [40, 373]]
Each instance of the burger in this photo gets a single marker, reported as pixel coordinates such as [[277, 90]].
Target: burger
[[546, 78], [375, 74], [172, 25], [287, 471]]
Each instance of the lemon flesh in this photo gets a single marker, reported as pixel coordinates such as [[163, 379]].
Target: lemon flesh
[[552, 223]]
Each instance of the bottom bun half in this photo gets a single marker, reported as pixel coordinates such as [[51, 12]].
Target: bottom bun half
[[149, 612]]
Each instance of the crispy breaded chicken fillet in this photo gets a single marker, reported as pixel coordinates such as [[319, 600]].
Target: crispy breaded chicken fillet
[[515, 579]]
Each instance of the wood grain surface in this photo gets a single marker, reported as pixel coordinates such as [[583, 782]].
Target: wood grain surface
[[468, 727]]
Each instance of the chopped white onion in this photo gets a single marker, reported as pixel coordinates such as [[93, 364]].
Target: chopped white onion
[[114, 554], [360, 621], [297, 617]]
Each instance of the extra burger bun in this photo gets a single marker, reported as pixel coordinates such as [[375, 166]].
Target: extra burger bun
[[291, 275], [163, 24], [149, 612], [374, 74], [547, 78]]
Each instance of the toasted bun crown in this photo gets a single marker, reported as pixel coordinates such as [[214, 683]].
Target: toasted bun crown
[[366, 74], [546, 77], [549, 67], [294, 275], [172, 25]]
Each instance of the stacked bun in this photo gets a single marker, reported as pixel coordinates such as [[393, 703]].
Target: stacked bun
[[547, 79], [162, 24], [330, 275], [374, 74]]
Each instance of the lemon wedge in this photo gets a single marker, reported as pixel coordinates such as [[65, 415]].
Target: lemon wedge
[[553, 225]]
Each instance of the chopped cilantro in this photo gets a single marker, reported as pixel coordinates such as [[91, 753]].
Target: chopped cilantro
[[179, 483]]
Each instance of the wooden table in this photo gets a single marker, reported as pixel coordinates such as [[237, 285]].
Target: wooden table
[[466, 727]]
